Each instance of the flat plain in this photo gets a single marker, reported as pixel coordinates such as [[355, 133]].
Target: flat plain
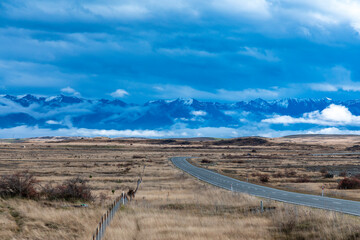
[[171, 204]]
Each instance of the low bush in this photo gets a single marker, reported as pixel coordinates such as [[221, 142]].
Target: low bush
[[290, 173], [343, 174], [328, 175], [264, 178], [71, 190], [206, 161], [20, 184], [323, 170], [349, 183], [277, 175], [302, 180]]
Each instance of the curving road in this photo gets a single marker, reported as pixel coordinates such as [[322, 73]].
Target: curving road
[[333, 204]]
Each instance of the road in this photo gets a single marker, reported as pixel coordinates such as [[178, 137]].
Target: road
[[333, 204]]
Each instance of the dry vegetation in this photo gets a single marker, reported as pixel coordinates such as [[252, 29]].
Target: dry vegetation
[[169, 203], [300, 164]]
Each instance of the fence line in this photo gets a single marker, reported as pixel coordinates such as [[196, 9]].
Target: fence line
[[108, 216]]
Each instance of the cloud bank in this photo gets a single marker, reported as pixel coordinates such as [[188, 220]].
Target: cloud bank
[[334, 115]]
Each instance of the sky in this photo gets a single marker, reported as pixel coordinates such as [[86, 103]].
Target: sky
[[216, 50]]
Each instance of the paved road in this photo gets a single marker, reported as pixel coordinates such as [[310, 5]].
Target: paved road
[[339, 205]]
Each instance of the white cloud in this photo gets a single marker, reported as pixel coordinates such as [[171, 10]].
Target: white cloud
[[323, 87], [220, 132], [176, 91], [69, 90], [253, 8], [260, 54], [304, 12], [199, 113], [118, 11], [185, 52], [52, 122], [119, 93], [333, 115], [322, 13], [333, 130], [337, 78], [328, 87]]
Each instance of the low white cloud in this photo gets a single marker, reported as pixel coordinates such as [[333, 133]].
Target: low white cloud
[[71, 91], [199, 113], [219, 132], [119, 93], [327, 87], [323, 87], [176, 91], [333, 115]]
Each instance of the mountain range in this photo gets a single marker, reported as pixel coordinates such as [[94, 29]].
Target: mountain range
[[69, 111]]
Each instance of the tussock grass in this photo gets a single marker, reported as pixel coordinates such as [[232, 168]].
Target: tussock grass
[[169, 204]]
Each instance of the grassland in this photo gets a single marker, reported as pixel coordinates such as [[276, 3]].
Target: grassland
[[169, 203]]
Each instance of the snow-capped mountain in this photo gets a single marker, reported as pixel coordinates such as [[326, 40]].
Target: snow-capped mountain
[[69, 111]]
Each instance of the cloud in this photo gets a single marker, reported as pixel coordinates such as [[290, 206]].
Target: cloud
[[220, 132], [253, 9], [119, 93], [328, 87], [53, 122], [199, 113], [260, 54], [333, 115], [178, 91], [192, 43], [185, 52], [338, 78], [336, 11], [324, 87], [71, 91], [118, 11]]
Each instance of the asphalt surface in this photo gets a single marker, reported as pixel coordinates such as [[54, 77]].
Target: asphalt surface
[[333, 204]]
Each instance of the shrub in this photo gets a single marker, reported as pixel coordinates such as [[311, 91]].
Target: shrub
[[357, 176], [237, 161], [20, 184], [349, 183], [329, 175], [277, 175], [302, 180], [290, 173], [264, 178], [71, 190], [323, 170], [343, 174], [206, 161]]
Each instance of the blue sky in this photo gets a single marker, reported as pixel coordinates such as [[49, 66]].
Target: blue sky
[[218, 50]]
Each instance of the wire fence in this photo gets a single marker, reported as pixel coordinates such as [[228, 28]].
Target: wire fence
[[108, 216]]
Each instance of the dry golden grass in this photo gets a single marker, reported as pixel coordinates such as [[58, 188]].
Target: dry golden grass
[[169, 204], [289, 160]]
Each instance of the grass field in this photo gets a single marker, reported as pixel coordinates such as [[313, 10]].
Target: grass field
[[171, 204]]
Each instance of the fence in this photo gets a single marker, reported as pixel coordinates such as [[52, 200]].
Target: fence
[[108, 216]]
